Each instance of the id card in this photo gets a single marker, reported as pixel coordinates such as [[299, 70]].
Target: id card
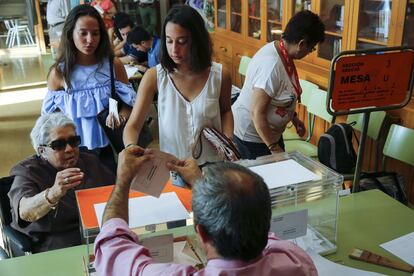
[[177, 180]]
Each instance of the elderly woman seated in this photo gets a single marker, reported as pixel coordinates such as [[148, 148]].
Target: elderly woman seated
[[43, 192]]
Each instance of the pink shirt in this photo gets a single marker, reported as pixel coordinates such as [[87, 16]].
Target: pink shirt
[[117, 252]]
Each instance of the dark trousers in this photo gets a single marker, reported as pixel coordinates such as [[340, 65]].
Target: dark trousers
[[251, 150]]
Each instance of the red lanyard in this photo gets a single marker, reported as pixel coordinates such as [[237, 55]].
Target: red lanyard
[[290, 69]]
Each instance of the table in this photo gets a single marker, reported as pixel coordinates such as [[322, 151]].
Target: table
[[366, 220]]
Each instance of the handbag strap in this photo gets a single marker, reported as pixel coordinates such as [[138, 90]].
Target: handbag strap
[[111, 69]]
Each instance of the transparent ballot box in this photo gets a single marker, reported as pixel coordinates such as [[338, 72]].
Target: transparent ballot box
[[180, 230], [305, 199]]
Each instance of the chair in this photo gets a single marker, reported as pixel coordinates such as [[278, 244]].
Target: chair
[[290, 131], [399, 145], [15, 242], [316, 108], [15, 31], [235, 91], [244, 64], [376, 120]]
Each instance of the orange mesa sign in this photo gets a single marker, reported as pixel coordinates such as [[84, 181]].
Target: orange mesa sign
[[372, 80]]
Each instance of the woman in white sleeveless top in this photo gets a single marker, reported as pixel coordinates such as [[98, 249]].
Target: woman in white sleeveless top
[[193, 92]]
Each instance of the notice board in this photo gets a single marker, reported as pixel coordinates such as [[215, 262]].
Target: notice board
[[379, 80]]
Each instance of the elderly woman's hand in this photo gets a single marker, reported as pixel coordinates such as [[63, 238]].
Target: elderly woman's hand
[[65, 179]]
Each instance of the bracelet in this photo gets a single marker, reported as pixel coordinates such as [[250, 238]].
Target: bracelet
[[130, 144], [51, 205]]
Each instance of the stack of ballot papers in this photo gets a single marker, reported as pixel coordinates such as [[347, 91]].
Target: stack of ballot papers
[[149, 210], [279, 175], [164, 249]]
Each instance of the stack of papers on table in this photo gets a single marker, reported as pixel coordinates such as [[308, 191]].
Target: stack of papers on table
[[130, 70], [148, 210], [282, 174]]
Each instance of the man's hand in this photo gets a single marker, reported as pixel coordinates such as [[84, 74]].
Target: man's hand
[[299, 125], [129, 161], [188, 169]]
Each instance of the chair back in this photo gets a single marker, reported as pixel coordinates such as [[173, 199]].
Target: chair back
[[399, 144], [317, 105], [376, 119], [5, 208], [244, 64], [307, 88]]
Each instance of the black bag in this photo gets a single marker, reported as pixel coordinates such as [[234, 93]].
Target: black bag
[[390, 183], [115, 135], [335, 148]]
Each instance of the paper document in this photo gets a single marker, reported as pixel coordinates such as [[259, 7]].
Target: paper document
[[153, 175], [284, 173], [99, 9], [130, 70], [183, 254], [148, 210], [113, 108], [402, 247], [290, 225], [161, 248], [326, 267]]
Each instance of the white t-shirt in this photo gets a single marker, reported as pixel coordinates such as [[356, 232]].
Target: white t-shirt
[[266, 71], [180, 121]]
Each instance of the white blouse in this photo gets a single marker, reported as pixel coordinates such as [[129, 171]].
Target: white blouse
[[181, 121]]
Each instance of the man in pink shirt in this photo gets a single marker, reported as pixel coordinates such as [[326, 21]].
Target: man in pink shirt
[[232, 212]]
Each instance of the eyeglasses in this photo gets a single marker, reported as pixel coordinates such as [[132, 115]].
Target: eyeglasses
[[60, 144]]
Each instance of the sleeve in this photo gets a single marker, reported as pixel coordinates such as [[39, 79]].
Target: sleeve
[[125, 92], [267, 77], [117, 252], [53, 100], [296, 259], [21, 187]]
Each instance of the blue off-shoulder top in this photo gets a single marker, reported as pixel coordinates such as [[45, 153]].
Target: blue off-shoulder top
[[89, 95]]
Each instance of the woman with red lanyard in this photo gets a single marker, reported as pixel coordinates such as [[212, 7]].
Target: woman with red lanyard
[[107, 10], [271, 89]]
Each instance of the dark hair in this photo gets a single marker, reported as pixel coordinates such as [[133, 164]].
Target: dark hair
[[304, 25], [67, 48], [138, 35], [200, 52], [232, 204], [121, 20]]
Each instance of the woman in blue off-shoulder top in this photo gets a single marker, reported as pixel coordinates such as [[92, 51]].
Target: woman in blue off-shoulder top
[[79, 83]]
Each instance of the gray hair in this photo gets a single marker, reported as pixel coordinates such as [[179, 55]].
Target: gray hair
[[232, 205], [44, 125]]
